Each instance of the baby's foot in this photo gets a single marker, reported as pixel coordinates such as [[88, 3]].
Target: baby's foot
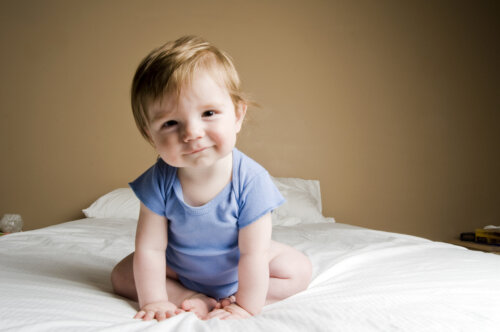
[[200, 304], [227, 301]]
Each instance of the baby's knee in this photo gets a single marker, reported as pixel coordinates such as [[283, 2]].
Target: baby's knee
[[116, 279], [121, 279], [304, 272]]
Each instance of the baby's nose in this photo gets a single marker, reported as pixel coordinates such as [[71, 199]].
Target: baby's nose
[[192, 130]]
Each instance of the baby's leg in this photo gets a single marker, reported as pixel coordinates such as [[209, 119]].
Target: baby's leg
[[122, 279], [290, 272]]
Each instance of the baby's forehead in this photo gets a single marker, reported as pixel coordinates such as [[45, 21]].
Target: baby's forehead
[[161, 105], [203, 89]]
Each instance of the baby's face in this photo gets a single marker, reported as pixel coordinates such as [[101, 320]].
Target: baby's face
[[199, 127]]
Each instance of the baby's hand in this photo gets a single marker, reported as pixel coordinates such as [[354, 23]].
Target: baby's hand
[[231, 311], [158, 310]]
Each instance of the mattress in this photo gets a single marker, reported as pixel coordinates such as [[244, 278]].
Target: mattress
[[57, 279]]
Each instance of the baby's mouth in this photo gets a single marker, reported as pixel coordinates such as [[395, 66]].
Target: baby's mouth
[[197, 150]]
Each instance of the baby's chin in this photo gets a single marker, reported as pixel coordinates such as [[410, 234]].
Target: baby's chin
[[198, 163]]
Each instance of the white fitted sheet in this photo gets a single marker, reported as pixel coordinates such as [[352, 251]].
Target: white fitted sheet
[[57, 279]]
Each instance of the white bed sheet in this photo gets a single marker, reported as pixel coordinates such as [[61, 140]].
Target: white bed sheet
[[57, 279]]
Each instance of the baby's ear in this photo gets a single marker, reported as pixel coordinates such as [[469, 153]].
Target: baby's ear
[[241, 111]]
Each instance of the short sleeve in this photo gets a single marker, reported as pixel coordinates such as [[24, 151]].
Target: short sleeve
[[258, 197], [151, 187]]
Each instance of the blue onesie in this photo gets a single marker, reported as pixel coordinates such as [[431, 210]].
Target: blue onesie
[[203, 241]]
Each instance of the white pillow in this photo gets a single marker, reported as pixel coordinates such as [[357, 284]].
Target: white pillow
[[120, 203], [303, 202]]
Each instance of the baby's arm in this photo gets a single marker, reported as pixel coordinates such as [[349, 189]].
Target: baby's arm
[[150, 266], [254, 242]]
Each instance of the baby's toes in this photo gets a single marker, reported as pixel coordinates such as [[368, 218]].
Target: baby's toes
[[188, 305], [227, 301], [200, 305]]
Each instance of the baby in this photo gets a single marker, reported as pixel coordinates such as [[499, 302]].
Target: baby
[[203, 241]]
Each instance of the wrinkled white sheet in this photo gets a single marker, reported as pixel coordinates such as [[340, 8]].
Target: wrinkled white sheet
[[57, 279]]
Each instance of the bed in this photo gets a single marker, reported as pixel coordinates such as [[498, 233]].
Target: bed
[[57, 278]]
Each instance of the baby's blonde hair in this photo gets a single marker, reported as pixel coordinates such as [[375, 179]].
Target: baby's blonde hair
[[171, 67]]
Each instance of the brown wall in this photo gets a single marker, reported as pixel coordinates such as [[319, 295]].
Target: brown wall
[[392, 105]]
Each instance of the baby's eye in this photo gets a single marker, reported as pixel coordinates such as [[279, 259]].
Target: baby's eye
[[208, 113], [169, 124]]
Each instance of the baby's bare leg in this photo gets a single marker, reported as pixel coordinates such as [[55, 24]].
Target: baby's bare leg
[[290, 272], [122, 279]]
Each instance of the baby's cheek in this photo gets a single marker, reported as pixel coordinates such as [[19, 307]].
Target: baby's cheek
[[226, 142], [227, 133], [168, 143], [166, 148]]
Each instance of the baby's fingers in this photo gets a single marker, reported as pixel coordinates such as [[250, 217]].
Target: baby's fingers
[[161, 315], [168, 314], [218, 313], [158, 315], [145, 315], [140, 314]]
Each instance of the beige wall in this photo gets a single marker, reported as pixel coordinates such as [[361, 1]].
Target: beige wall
[[392, 105]]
